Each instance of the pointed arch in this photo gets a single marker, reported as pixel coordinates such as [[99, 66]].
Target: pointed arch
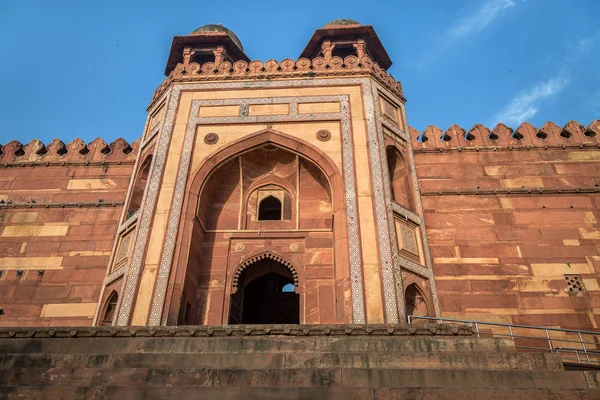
[[109, 309], [139, 186], [264, 255], [258, 296], [416, 301], [199, 176], [288, 199], [259, 139]]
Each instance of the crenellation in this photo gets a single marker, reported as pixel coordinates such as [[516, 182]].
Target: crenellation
[[572, 134], [36, 152]]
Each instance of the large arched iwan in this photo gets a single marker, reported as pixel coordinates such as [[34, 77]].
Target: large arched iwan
[[201, 283]]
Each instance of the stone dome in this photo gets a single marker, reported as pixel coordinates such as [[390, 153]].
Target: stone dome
[[211, 28], [341, 22]]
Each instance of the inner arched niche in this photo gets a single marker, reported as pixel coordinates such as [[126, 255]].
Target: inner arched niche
[[139, 186], [399, 174], [416, 303], [228, 203]]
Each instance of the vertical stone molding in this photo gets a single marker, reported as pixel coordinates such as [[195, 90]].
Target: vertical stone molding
[[131, 278], [381, 201]]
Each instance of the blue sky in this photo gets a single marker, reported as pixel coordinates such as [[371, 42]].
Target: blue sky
[[88, 68]]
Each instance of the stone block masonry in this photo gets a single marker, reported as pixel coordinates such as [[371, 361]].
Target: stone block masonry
[[511, 216], [283, 362], [59, 209]]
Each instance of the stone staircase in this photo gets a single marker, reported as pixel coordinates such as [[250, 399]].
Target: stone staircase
[[279, 362]]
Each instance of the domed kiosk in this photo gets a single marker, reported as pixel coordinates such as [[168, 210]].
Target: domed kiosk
[[343, 37], [341, 22], [217, 29], [209, 43]]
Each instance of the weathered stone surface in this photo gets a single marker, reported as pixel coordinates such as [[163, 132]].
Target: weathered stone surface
[[337, 364]]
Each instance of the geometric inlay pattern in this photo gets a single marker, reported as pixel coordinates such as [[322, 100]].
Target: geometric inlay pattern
[[409, 239]]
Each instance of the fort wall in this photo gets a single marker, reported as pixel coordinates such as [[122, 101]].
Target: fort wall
[[513, 220], [59, 209]]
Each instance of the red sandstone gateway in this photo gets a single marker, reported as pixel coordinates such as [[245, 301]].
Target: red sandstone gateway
[[279, 231]]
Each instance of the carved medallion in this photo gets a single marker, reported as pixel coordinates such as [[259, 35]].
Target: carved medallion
[[323, 135], [211, 138], [239, 247]]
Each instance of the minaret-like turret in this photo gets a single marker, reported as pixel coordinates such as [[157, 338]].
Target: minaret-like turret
[[209, 43], [345, 37]]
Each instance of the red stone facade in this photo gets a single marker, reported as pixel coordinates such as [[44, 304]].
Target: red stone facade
[[366, 219], [511, 219], [59, 210]]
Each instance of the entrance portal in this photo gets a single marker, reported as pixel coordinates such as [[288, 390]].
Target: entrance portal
[[265, 295]]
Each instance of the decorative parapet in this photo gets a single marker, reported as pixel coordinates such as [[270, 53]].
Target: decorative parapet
[[287, 68], [526, 136], [76, 152]]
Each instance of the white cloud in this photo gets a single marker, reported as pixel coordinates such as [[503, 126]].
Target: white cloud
[[471, 23], [480, 18], [526, 104]]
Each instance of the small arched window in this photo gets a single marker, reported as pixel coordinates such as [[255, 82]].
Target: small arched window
[[415, 301], [110, 308], [270, 209], [139, 186]]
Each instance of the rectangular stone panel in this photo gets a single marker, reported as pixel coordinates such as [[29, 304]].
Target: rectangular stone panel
[[407, 237], [391, 111], [219, 111], [268, 109], [319, 108], [155, 118], [124, 249]]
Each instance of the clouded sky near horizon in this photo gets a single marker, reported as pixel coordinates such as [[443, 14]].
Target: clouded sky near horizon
[[88, 69]]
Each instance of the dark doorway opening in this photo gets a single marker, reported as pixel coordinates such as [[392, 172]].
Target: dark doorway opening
[[265, 296]]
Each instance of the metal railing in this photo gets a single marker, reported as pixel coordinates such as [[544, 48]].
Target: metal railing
[[574, 346]]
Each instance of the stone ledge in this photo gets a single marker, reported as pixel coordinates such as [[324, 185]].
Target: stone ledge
[[241, 330]]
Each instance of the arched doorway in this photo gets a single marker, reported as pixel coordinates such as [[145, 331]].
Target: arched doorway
[[265, 295]]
